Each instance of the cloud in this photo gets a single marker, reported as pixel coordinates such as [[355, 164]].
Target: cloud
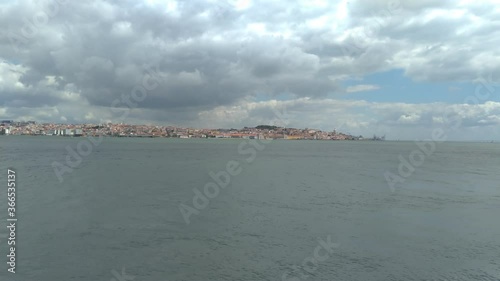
[[361, 88]]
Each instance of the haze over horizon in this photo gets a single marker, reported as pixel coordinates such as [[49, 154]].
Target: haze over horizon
[[394, 68]]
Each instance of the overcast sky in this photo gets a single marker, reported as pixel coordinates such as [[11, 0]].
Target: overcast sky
[[399, 68]]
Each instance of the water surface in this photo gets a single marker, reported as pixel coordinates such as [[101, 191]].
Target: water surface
[[120, 209]]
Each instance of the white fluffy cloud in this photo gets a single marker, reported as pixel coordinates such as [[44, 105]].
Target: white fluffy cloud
[[361, 88]]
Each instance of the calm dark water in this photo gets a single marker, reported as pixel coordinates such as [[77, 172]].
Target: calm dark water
[[119, 209]]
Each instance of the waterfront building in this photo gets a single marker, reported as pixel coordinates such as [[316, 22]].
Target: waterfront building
[[78, 132], [5, 131]]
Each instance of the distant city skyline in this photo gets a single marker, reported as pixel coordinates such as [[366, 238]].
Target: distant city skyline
[[11, 127], [385, 67]]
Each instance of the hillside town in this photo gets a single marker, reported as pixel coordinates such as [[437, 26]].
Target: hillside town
[[32, 128]]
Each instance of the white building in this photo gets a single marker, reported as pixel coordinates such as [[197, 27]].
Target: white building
[[78, 132]]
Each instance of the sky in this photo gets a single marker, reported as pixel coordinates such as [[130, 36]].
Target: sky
[[395, 68]]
